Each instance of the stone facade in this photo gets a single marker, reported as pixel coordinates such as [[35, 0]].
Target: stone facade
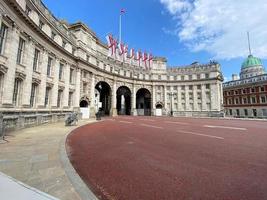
[[52, 67]]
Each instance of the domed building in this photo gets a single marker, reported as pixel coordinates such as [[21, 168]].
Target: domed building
[[252, 66], [247, 96]]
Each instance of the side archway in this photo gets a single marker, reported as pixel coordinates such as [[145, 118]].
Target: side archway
[[143, 102], [124, 101], [103, 97], [159, 107]]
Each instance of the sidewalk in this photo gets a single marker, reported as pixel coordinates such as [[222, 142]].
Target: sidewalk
[[32, 156]]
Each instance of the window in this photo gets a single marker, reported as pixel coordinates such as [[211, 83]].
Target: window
[[41, 24], [20, 50], [70, 103], [207, 76], [246, 112], [245, 100], [59, 98], [253, 99], [61, 70], [262, 89], [53, 35], [36, 59], [237, 112], [87, 58], [71, 76], [3, 33], [244, 91], [207, 86], [190, 77], [49, 66], [64, 44], [231, 112], [252, 90], [263, 99], [236, 101], [199, 87], [47, 96], [182, 78], [254, 112], [264, 112], [183, 87], [190, 96], [33, 95], [198, 76], [17, 92], [190, 87], [199, 95]]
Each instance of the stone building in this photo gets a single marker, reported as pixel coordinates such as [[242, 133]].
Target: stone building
[[49, 68], [247, 96]]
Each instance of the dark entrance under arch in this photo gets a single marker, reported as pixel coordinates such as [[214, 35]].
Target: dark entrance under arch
[[159, 106], [143, 102], [124, 101], [104, 97], [84, 104]]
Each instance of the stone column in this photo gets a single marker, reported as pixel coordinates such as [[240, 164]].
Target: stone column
[[42, 86], [187, 104], [203, 97], [195, 98], [28, 62], [165, 98], [154, 100], [55, 68], [77, 88], [134, 112], [11, 50], [67, 86], [179, 98], [92, 94], [114, 99]]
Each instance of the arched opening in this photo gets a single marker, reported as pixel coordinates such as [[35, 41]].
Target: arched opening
[[143, 102], [124, 101], [103, 97], [84, 104], [159, 107]]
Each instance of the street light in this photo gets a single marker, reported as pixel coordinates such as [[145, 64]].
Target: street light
[[171, 94]]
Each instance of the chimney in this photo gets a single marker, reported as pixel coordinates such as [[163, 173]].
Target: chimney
[[234, 77]]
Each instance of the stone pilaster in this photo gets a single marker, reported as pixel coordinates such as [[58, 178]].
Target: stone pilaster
[[134, 111], [67, 86], [55, 68], [114, 99], [187, 104], [179, 98], [153, 99], [165, 97], [92, 94], [195, 100], [43, 71], [11, 50], [203, 97], [28, 63], [77, 88]]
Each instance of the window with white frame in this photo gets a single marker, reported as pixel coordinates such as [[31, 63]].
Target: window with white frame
[[61, 71], [17, 92], [59, 98], [3, 36], [49, 67], [36, 59], [47, 96], [33, 95], [71, 76], [21, 50]]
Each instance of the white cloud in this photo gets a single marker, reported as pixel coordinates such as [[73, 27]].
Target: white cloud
[[220, 26]]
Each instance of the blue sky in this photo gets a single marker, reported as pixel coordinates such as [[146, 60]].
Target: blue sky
[[176, 29]]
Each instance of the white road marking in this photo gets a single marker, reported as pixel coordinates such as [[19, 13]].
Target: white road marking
[[149, 120], [126, 122], [226, 127], [200, 134], [151, 126], [170, 122]]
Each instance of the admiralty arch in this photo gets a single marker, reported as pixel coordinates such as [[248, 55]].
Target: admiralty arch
[[49, 68]]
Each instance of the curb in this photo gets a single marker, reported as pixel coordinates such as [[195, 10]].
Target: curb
[[80, 187]]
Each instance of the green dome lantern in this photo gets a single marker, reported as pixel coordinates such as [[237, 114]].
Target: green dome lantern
[[251, 61]]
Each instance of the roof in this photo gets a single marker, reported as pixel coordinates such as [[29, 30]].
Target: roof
[[251, 61]]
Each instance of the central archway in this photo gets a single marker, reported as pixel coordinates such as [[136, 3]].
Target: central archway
[[103, 96], [124, 101], [143, 102]]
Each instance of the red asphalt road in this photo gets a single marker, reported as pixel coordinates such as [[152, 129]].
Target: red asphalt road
[[149, 158]]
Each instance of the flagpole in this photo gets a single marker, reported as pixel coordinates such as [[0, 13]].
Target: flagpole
[[120, 29], [249, 43]]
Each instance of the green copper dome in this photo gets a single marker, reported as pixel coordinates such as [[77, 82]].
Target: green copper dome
[[251, 62]]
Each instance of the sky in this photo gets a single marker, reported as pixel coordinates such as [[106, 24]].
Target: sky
[[183, 31]]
